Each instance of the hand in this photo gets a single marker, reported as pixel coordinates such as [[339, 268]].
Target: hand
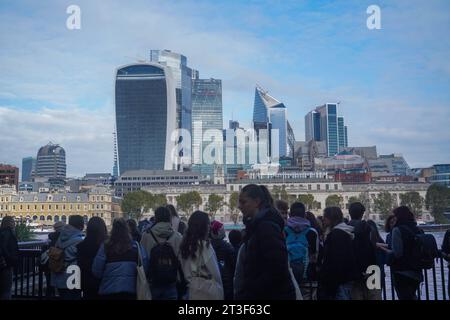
[[382, 245]]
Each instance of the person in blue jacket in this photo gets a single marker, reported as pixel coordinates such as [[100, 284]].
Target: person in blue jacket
[[116, 262]]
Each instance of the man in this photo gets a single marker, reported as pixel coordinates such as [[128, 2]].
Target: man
[[282, 207], [66, 249], [365, 252], [446, 254]]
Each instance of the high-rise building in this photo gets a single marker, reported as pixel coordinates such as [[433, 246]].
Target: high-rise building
[[9, 175], [324, 124], [28, 168], [207, 114], [183, 76], [51, 162], [116, 158], [441, 175], [145, 117]]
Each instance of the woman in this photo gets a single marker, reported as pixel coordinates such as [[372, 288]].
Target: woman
[[388, 226], [177, 223], [407, 275], [264, 274], [96, 234], [8, 256], [338, 270], [116, 262], [199, 261]]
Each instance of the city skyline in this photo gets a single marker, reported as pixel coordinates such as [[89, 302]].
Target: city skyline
[[57, 83]]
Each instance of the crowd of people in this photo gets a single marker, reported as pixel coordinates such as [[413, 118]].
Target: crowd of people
[[283, 253]]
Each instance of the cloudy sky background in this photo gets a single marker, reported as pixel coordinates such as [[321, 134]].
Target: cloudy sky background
[[394, 83]]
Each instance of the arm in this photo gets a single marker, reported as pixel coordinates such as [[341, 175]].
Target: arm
[[397, 243], [212, 265], [98, 266]]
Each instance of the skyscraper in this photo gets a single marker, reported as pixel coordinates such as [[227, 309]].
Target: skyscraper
[[207, 114], [145, 117], [342, 130], [312, 126], [51, 162], [28, 168]]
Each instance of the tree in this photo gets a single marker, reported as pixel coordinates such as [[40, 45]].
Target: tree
[[307, 200], [413, 201], [188, 201], [284, 195], [437, 200], [159, 200], [364, 198], [276, 192], [135, 203], [233, 205], [334, 200], [215, 202], [384, 203], [24, 233]]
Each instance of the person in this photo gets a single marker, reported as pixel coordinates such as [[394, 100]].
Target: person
[[379, 253], [235, 238], [315, 259], [52, 238], [407, 275], [163, 280], [143, 225], [198, 258], [283, 208], [66, 245], [96, 234], [388, 227], [364, 244], [115, 264], [134, 231], [338, 270], [446, 254], [302, 243], [226, 257], [177, 224], [9, 256], [265, 268]]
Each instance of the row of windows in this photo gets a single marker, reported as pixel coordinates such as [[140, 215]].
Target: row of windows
[[50, 207], [158, 178], [310, 187]]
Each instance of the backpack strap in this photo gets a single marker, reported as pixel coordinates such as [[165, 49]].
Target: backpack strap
[[153, 236]]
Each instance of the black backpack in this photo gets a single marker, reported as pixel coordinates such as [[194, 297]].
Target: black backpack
[[164, 264], [364, 249], [424, 249]]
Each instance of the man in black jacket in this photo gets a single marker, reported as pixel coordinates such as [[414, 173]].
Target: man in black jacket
[[9, 253]]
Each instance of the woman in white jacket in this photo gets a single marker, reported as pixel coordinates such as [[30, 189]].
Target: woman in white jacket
[[199, 261]]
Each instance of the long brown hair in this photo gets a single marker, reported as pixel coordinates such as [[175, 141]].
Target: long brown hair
[[120, 240], [197, 231]]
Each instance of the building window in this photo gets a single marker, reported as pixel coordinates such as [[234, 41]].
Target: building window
[[327, 187], [21, 207], [335, 187], [309, 187], [318, 187]]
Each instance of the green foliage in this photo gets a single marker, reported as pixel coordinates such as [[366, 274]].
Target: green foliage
[[413, 201], [135, 203], [364, 198], [384, 203], [437, 200], [353, 200], [215, 202], [307, 200], [24, 233], [233, 202], [186, 202], [334, 200]]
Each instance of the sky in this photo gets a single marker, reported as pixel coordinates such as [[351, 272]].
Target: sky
[[393, 84]]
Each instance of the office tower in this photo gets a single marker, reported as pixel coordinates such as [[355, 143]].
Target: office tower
[[145, 117], [116, 158], [342, 130], [51, 162], [28, 168], [312, 126]]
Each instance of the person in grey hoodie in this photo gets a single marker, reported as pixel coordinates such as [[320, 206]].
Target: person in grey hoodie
[[339, 268], [68, 240], [301, 238], [159, 233]]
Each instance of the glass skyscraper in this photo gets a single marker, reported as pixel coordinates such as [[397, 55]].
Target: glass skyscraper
[[207, 114], [28, 167], [312, 126], [145, 117], [342, 130], [51, 162]]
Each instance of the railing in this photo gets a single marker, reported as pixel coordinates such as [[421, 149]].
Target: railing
[[28, 276]]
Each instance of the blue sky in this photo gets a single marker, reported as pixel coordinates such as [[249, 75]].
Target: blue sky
[[393, 84]]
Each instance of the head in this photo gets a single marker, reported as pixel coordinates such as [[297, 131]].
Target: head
[[96, 230], [235, 237], [297, 210], [8, 223], [132, 225], [77, 221], [315, 223], [332, 216], [403, 215], [356, 210], [282, 207], [390, 223], [162, 214], [197, 231], [254, 198], [217, 230], [58, 226], [172, 210], [120, 240]]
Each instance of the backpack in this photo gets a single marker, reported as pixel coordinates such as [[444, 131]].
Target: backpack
[[424, 249], [364, 249], [164, 264], [297, 247], [56, 259]]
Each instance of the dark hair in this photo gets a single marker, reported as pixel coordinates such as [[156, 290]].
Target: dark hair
[[96, 231], [260, 192], [235, 237], [403, 215], [387, 224], [120, 240], [334, 214], [162, 214], [197, 231], [356, 210], [297, 210], [314, 222], [173, 211], [281, 205], [8, 222], [374, 227], [134, 231], [77, 221]]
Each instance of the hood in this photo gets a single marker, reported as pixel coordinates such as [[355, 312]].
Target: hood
[[360, 226], [162, 229], [69, 233], [298, 224], [345, 227], [270, 214]]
